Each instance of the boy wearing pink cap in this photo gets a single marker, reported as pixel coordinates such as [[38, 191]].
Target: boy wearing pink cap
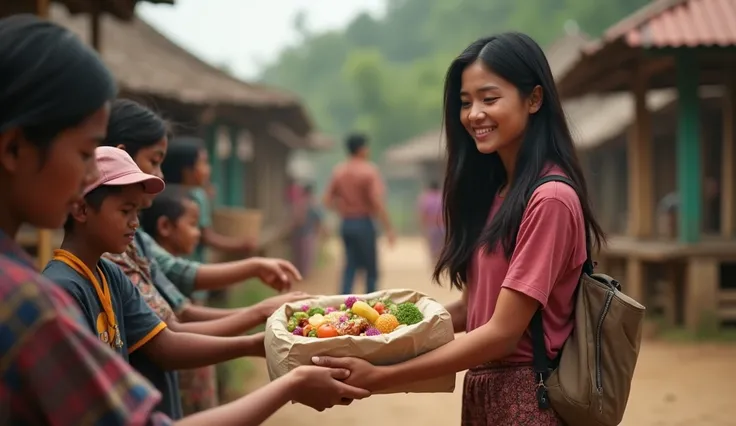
[[106, 221]]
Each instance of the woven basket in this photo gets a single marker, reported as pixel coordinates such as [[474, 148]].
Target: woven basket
[[235, 222]]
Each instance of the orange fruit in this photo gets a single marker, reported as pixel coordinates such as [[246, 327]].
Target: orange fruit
[[326, 330], [386, 323]]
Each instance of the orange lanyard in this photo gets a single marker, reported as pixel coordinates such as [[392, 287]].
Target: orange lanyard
[[110, 324]]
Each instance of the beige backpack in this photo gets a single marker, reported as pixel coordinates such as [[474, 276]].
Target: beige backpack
[[589, 382]]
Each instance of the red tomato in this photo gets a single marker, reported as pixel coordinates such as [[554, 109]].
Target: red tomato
[[326, 330], [379, 307]]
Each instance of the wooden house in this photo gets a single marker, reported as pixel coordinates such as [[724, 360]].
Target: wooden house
[[251, 130], [675, 61]]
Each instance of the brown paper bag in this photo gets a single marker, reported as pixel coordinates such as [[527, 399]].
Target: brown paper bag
[[284, 351]]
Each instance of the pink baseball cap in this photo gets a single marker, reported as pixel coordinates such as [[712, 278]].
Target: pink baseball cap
[[116, 167]]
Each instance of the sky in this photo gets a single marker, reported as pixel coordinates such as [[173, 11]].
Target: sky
[[245, 34]]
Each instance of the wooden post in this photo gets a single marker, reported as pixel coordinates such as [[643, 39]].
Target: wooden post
[[728, 158], [42, 8], [701, 293], [689, 176], [639, 158]]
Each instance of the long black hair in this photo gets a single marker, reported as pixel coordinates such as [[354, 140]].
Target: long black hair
[[134, 126], [472, 179]]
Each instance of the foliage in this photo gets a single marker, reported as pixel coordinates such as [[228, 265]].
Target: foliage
[[384, 75]]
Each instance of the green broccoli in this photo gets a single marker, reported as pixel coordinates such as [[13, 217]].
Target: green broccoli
[[343, 307], [300, 316], [408, 313], [312, 333], [315, 311]]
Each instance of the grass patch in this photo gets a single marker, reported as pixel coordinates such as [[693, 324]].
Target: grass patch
[[709, 331]]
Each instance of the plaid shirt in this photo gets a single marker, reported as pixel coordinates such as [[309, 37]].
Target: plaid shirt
[[182, 272], [54, 371]]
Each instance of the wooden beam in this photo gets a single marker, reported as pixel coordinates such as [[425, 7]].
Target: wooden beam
[[639, 158], [728, 158], [701, 293]]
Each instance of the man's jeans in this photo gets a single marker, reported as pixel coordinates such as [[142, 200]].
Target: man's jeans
[[359, 238]]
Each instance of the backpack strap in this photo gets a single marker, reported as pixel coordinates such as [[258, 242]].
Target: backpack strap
[[542, 363]]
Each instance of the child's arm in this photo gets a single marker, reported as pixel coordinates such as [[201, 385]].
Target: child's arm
[[319, 388], [189, 276], [239, 322], [172, 350], [276, 273]]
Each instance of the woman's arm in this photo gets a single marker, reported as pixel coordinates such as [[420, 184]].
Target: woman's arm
[[172, 350], [495, 340], [532, 273]]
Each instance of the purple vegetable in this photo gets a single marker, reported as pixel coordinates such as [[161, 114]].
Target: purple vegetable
[[372, 332], [350, 301], [329, 310], [298, 331], [344, 318], [305, 308]]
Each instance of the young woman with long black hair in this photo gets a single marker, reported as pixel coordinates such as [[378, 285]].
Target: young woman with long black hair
[[505, 130]]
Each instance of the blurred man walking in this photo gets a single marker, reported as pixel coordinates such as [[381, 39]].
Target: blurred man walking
[[356, 192]]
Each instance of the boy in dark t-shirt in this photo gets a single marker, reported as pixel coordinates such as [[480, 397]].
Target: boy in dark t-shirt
[[105, 221], [112, 306]]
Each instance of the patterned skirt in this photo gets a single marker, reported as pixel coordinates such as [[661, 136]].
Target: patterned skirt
[[503, 394], [198, 389]]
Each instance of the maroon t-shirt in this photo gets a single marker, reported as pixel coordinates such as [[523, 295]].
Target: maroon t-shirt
[[546, 266], [356, 188]]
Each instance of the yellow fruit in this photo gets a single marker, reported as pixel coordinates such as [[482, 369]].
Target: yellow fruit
[[365, 310], [316, 320], [386, 323]]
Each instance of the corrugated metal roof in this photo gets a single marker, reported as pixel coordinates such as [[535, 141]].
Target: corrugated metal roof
[[688, 23]]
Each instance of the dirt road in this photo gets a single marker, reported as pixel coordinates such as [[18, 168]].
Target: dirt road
[[675, 385]]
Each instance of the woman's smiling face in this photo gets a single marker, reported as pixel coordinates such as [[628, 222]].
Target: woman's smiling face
[[492, 110]]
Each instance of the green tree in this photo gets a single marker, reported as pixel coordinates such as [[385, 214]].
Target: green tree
[[384, 76]]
